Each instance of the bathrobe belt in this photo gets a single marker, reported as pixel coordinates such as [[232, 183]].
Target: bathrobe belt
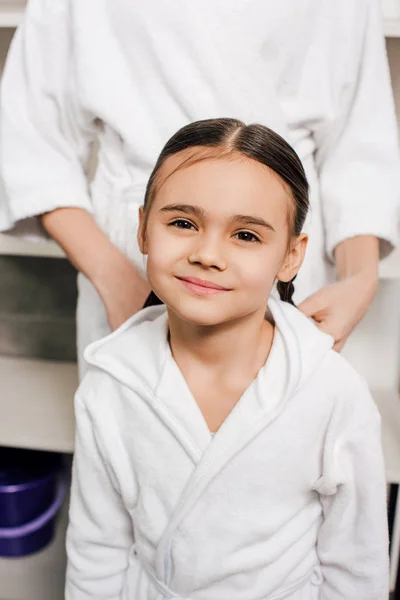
[[314, 578], [161, 587]]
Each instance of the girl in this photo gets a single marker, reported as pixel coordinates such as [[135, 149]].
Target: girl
[[224, 451]]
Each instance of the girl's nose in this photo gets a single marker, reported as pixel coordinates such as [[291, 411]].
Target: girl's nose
[[208, 253]]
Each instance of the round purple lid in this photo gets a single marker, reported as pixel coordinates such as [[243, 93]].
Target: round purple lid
[[21, 467]]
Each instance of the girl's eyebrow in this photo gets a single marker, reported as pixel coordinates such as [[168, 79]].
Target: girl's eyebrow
[[191, 209], [188, 209], [249, 220]]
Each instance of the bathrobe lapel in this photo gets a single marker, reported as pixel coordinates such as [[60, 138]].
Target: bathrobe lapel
[[260, 405]]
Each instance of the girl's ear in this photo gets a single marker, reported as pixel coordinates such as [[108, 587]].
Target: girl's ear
[[294, 258], [141, 235]]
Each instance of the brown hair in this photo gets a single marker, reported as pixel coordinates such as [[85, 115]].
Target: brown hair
[[222, 138]]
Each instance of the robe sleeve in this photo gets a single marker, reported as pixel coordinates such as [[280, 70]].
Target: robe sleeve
[[353, 540], [100, 533], [45, 134], [357, 155]]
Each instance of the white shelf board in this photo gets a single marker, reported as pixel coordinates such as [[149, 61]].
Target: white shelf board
[[37, 403], [388, 403], [389, 268], [11, 16], [40, 576], [18, 246], [391, 28], [11, 13], [36, 408], [13, 245]]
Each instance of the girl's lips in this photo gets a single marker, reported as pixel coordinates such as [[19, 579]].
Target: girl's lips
[[202, 287]]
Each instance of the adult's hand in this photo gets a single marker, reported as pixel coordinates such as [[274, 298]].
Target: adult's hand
[[123, 292], [338, 307]]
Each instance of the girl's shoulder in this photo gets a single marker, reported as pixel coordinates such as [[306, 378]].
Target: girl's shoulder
[[132, 357]]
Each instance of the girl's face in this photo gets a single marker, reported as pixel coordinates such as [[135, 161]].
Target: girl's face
[[216, 238]]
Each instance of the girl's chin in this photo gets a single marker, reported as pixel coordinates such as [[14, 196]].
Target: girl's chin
[[206, 316], [201, 318]]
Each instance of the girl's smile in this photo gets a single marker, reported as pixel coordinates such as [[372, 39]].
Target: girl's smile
[[201, 287]]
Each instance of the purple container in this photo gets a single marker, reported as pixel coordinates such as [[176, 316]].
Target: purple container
[[30, 497]]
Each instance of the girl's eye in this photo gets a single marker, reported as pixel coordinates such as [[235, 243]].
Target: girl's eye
[[246, 236], [182, 224]]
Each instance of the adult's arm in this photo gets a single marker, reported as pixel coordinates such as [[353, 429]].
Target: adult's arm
[[45, 132], [357, 152], [358, 164], [45, 142]]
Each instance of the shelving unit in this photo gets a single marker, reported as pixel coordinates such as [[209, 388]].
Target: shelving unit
[[388, 403], [11, 12], [36, 404], [391, 28], [20, 247], [9, 245], [11, 15], [389, 268]]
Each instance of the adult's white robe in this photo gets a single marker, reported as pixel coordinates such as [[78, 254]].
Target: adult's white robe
[[132, 72]]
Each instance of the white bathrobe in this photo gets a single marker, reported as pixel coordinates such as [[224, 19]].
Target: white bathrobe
[[287, 501], [132, 72]]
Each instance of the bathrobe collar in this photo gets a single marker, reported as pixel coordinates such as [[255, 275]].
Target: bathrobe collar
[[138, 355]]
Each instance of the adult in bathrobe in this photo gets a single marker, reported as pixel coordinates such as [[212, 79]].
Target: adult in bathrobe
[[131, 73]]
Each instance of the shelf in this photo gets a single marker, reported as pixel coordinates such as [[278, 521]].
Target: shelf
[[13, 245], [37, 404], [391, 28], [388, 403], [11, 15], [389, 268], [40, 576], [11, 12]]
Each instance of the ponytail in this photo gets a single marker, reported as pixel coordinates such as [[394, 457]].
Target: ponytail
[[286, 291], [152, 300]]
